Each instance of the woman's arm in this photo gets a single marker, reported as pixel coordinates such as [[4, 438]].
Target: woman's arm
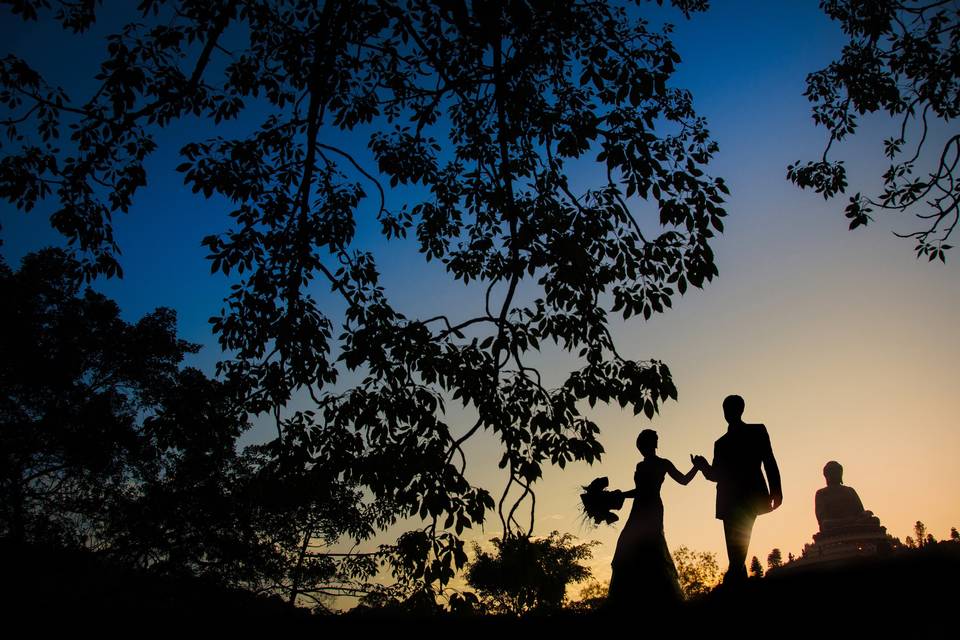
[[679, 477]]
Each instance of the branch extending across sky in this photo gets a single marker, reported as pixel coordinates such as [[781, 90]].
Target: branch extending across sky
[[900, 60]]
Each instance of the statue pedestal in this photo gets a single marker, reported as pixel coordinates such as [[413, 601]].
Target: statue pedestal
[[863, 537]]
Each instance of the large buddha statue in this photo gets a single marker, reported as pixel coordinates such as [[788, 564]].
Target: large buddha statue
[[837, 505], [847, 530], [843, 520]]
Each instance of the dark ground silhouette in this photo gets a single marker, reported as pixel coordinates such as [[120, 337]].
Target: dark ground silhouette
[[913, 590]]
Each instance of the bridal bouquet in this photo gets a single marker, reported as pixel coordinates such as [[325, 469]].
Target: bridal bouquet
[[598, 503]]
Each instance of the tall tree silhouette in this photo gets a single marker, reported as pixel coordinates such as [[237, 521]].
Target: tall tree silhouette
[[109, 443], [484, 108], [75, 378], [774, 559], [901, 60]]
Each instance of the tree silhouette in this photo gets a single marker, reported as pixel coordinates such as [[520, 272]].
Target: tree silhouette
[[756, 569], [592, 597], [774, 559], [954, 534], [920, 531], [900, 60], [75, 378], [476, 113], [697, 571], [529, 574], [108, 443]]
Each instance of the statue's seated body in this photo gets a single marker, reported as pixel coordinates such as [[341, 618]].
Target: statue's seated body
[[839, 506], [840, 512]]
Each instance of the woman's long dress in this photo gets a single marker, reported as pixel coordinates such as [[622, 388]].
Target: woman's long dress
[[643, 570]]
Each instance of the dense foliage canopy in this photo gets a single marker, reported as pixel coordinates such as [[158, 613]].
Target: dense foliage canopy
[[107, 442], [75, 381], [481, 110]]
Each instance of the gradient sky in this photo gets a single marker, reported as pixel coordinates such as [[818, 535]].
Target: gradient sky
[[841, 342]]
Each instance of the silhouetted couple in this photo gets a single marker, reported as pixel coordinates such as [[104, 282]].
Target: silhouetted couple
[[643, 570]]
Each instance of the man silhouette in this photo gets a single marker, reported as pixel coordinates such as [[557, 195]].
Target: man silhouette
[[741, 490]]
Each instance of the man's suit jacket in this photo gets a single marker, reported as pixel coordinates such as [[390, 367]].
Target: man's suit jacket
[[741, 488]]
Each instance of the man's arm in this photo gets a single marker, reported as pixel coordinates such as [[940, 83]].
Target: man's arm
[[772, 470], [708, 470]]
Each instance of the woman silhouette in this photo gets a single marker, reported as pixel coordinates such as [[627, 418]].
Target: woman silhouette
[[643, 570]]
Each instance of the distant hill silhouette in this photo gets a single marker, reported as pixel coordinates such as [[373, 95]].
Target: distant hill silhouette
[[912, 588]]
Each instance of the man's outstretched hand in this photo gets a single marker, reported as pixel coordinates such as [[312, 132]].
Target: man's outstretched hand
[[776, 500], [698, 461]]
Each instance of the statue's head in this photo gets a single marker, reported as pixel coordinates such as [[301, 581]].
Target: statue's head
[[733, 408], [833, 472], [647, 442]]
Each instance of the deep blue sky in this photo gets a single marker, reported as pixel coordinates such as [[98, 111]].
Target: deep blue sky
[[739, 60]]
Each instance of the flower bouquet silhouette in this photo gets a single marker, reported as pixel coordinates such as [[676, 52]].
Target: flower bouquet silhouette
[[598, 504]]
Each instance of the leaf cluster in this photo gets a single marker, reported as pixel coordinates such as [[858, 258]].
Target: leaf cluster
[[902, 60]]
